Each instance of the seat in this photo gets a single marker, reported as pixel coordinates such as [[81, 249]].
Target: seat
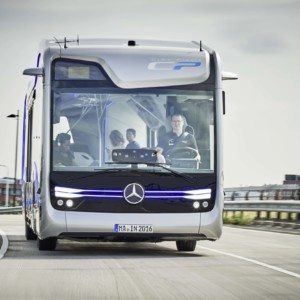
[[189, 129], [80, 148]]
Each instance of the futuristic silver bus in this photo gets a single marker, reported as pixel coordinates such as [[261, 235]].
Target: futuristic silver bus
[[122, 142]]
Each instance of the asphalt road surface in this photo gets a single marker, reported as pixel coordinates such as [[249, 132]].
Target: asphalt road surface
[[243, 264]]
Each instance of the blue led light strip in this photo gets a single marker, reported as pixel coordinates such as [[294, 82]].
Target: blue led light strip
[[199, 194]]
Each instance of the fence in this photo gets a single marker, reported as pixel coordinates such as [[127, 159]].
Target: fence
[[268, 206], [10, 210]]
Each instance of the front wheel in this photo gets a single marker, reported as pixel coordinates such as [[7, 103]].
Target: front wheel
[[29, 233], [47, 244], [187, 245]]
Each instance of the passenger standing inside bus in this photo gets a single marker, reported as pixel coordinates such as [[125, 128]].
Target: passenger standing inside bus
[[63, 155], [117, 142], [177, 138], [130, 136]]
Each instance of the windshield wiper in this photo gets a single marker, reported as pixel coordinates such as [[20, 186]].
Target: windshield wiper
[[153, 164], [135, 164], [99, 171], [179, 174]]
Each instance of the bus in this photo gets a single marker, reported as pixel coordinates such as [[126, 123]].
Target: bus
[[122, 142]]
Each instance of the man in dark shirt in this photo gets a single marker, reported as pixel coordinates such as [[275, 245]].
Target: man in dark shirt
[[130, 136], [177, 138]]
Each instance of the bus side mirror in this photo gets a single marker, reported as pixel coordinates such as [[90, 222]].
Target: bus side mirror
[[229, 76], [34, 72]]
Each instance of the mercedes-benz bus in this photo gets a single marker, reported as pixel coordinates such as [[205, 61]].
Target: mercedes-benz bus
[[122, 141]]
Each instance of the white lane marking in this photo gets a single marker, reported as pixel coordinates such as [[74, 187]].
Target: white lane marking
[[264, 230], [254, 262], [4, 247]]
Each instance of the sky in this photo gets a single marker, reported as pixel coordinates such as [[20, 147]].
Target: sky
[[258, 40]]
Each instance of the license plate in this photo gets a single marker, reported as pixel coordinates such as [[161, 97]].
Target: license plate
[[133, 228]]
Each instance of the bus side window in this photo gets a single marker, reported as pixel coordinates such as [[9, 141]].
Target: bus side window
[[29, 139], [29, 145]]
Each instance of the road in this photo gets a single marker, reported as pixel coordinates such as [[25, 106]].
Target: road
[[243, 264]]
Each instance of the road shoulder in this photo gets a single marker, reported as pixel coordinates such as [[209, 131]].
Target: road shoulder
[[266, 228]]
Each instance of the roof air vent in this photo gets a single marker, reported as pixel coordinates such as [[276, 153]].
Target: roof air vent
[[131, 43]]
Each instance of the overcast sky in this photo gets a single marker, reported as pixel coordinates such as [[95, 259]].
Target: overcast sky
[[258, 40]]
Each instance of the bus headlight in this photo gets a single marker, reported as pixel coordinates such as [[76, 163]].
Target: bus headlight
[[60, 202], [204, 204], [69, 203], [196, 204]]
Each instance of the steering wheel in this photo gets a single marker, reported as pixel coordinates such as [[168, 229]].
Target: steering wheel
[[185, 152]]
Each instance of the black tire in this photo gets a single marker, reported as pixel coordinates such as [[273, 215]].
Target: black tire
[[29, 234], [187, 245], [47, 244]]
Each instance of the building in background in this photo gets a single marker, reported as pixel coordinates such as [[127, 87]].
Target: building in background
[[291, 179], [7, 183]]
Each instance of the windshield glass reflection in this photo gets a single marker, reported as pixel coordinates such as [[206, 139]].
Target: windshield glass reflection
[[93, 127]]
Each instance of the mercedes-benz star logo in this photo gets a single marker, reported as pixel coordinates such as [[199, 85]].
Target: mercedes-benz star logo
[[134, 193]]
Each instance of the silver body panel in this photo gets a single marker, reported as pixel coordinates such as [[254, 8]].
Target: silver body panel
[[104, 222], [149, 64], [212, 222], [53, 222]]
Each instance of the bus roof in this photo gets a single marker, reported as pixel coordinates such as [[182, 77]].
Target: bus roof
[[138, 63]]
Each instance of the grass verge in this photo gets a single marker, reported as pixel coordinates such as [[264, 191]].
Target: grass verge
[[238, 219]]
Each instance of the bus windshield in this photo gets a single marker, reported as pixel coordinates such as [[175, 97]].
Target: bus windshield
[[104, 128]]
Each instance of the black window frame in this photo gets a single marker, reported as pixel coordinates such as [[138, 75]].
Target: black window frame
[[209, 85], [29, 136]]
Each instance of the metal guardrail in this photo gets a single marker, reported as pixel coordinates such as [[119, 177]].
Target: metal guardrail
[[9, 210], [265, 192], [289, 206]]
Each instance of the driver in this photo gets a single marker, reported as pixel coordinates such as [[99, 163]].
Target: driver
[[177, 138]]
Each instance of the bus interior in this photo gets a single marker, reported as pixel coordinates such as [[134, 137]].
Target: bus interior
[[96, 119]]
